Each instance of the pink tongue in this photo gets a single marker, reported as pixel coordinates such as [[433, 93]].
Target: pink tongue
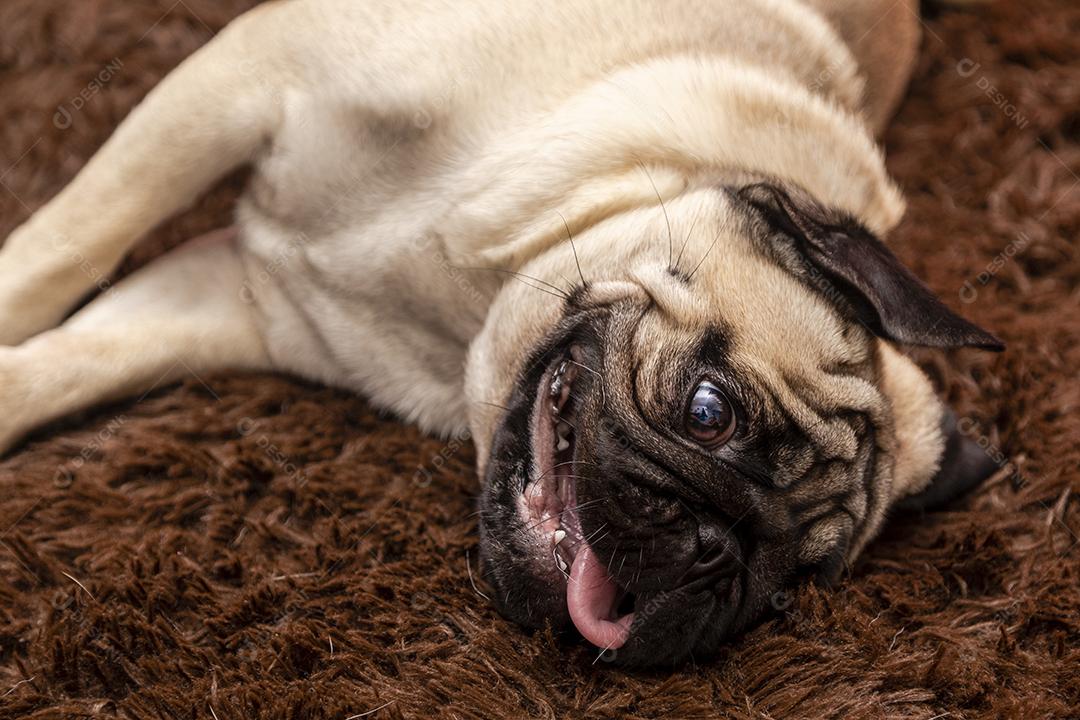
[[590, 598]]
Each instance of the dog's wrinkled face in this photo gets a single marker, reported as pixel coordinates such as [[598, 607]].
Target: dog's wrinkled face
[[690, 440]]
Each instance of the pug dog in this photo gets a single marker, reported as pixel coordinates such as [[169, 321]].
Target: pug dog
[[632, 247]]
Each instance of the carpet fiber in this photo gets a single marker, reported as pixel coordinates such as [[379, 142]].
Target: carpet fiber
[[242, 546]]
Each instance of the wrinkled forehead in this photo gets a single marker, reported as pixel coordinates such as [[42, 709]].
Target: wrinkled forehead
[[730, 298], [726, 274]]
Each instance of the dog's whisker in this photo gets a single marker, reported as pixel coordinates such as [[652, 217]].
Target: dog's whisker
[[562, 512], [565, 510], [686, 241], [596, 540], [468, 566], [613, 553], [554, 467], [707, 253], [603, 391], [573, 246], [592, 503], [595, 532], [496, 541], [602, 651], [491, 404], [567, 281], [558, 564], [522, 277], [667, 220]]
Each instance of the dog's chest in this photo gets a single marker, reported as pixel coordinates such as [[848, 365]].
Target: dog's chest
[[361, 280]]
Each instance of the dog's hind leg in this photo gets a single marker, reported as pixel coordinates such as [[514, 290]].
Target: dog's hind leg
[[211, 115], [185, 313], [884, 36]]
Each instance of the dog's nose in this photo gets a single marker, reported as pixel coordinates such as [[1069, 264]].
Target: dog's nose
[[716, 564], [719, 558]]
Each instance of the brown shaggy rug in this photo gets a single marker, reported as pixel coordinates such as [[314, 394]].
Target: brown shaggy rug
[[241, 546]]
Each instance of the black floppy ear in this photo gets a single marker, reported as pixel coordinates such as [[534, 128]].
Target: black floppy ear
[[839, 256], [963, 466]]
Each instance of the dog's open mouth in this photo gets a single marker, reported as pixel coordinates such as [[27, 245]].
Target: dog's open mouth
[[550, 508]]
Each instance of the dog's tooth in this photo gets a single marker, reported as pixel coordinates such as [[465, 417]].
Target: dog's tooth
[[563, 432], [560, 535], [557, 380]]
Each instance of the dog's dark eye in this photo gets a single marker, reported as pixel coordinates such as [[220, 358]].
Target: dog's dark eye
[[710, 420]]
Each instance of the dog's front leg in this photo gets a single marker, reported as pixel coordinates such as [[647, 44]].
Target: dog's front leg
[[212, 114]]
